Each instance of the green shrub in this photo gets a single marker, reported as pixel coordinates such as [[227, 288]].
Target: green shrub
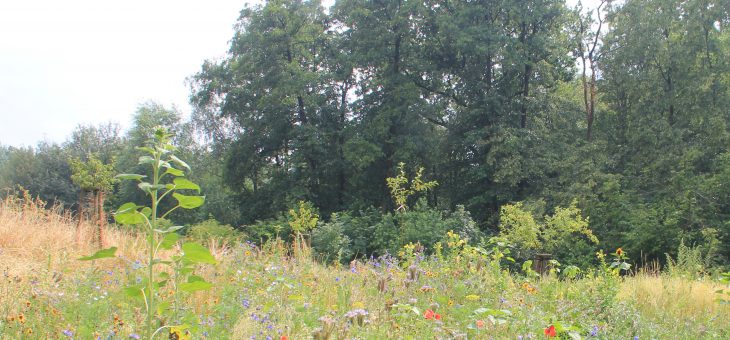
[[556, 234], [211, 229], [360, 229], [262, 231], [329, 240]]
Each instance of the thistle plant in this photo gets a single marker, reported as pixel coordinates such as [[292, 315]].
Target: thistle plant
[[167, 180]]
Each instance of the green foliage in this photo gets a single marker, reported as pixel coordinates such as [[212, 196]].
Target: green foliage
[[263, 231], [166, 180], [558, 231], [401, 188], [330, 241], [303, 218], [92, 174], [519, 227], [212, 230], [691, 262]]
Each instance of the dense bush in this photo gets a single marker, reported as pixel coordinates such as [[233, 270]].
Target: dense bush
[[212, 230], [262, 231], [369, 232], [329, 240]]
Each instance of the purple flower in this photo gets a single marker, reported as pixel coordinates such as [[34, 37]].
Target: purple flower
[[594, 331], [134, 336], [68, 333]]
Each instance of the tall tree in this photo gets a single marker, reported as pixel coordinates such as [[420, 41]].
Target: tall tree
[[278, 108]]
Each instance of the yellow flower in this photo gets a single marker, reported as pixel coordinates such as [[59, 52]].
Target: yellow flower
[[358, 305], [530, 289], [619, 252], [21, 318], [178, 334], [472, 297], [29, 331]]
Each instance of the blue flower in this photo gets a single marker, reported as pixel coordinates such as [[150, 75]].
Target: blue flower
[[594, 331]]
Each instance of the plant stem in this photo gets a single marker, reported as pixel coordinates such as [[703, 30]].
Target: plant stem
[[151, 240]]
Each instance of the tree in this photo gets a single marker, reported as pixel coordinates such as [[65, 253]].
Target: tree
[[662, 66], [95, 179], [275, 108]]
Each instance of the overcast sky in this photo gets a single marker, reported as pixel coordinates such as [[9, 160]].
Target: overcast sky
[[65, 63]]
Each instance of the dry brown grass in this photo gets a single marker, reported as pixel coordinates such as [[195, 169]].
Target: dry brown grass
[[663, 296], [33, 238]]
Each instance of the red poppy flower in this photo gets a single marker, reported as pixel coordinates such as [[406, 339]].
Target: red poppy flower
[[284, 337], [429, 314], [437, 316], [480, 323], [550, 331]]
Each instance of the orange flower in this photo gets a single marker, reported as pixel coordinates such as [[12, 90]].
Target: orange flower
[[429, 314], [550, 331], [284, 337], [480, 323], [619, 252]]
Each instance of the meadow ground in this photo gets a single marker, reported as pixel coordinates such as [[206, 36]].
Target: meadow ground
[[263, 292]]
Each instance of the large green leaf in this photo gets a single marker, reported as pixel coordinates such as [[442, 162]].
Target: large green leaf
[[127, 207], [189, 202], [147, 211], [174, 172], [148, 187], [146, 160], [146, 149], [130, 218], [135, 291], [182, 183], [133, 218], [104, 253], [135, 177], [169, 240], [170, 229], [195, 286], [197, 253], [179, 162]]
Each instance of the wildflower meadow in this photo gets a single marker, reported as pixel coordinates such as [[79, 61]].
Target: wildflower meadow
[[269, 291]]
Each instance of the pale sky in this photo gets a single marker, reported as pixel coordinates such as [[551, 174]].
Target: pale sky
[[65, 63]]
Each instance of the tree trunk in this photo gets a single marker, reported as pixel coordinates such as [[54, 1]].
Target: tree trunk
[[101, 217], [80, 215], [525, 94]]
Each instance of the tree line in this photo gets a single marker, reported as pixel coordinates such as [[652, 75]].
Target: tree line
[[621, 108]]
